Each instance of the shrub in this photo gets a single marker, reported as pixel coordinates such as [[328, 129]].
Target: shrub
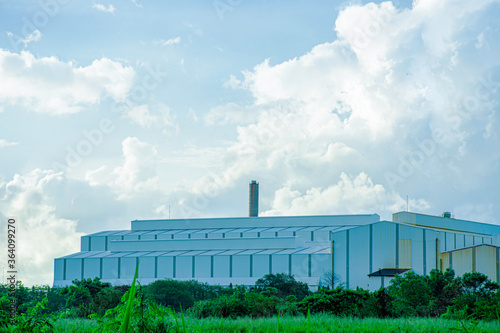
[[411, 295], [285, 285], [170, 293], [89, 296], [338, 301]]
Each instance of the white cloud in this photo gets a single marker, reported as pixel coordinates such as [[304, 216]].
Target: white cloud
[[38, 227], [141, 115], [136, 3], [136, 175], [161, 117], [192, 115], [171, 41], [103, 8], [233, 83], [401, 92], [49, 85], [35, 36], [351, 195], [197, 31], [5, 143], [231, 113]]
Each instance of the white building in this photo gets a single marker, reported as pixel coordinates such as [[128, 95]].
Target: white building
[[360, 249]]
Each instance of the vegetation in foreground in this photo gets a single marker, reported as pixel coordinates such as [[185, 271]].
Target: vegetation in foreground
[[318, 323], [412, 303]]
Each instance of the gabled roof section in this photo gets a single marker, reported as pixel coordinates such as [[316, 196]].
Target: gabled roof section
[[389, 272], [446, 223], [256, 222]]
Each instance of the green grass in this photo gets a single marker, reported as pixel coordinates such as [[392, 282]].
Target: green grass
[[76, 325], [318, 323]]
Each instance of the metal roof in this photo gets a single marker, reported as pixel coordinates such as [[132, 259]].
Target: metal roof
[[389, 271]]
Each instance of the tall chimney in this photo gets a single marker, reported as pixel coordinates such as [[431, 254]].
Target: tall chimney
[[253, 199]]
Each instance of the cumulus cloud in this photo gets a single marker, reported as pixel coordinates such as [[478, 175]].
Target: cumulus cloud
[[351, 195], [38, 227], [103, 8], [136, 175], [49, 85], [405, 97]]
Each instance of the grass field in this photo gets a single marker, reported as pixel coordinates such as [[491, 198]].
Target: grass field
[[319, 323]]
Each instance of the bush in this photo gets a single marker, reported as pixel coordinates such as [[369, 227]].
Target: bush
[[411, 295], [338, 301], [285, 285], [240, 303], [89, 297], [146, 316], [170, 293]]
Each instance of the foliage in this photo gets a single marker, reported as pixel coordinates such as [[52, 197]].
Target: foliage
[[338, 301], [89, 297], [479, 297], [467, 300], [316, 323], [241, 303], [285, 285], [125, 325], [5, 318], [145, 315], [35, 320], [170, 293], [411, 295]]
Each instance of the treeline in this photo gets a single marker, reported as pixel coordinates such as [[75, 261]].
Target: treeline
[[471, 296]]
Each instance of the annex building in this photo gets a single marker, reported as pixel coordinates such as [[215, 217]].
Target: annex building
[[360, 250]]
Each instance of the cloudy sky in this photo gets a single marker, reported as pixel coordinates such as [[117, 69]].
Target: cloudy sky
[[112, 111]]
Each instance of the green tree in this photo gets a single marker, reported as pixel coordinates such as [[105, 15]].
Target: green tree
[[444, 289], [285, 285], [89, 296], [410, 293], [170, 293]]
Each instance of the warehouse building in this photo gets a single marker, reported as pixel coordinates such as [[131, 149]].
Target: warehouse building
[[359, 250]]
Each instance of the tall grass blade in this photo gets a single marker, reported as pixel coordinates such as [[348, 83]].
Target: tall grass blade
[[125, 326], [172, 314], [183, 321], [308, 320], [278, 327]]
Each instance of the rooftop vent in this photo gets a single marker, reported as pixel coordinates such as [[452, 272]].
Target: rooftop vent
[[446, 215]]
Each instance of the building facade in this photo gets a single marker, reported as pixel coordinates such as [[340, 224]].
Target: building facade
[[360, 250]]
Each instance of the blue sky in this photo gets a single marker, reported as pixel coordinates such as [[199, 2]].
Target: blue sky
[[113, 111]]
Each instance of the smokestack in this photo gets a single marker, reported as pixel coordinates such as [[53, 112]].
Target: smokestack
[[253, 199]]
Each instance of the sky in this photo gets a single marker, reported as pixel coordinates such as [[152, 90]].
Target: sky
[[112, 111]]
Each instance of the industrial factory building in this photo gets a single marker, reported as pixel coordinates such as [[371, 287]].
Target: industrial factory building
[[360, 250]]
